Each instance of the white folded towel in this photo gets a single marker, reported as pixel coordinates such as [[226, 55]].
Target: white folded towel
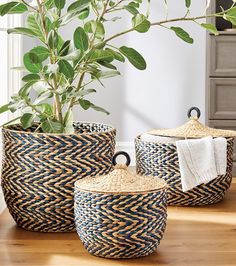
[[201, 160]]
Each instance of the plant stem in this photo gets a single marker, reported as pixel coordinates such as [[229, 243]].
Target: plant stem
[[71, 103], [58, 106]]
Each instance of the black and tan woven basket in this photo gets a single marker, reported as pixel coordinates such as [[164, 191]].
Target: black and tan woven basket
[[161, 159], [39, 171], [120, 215]]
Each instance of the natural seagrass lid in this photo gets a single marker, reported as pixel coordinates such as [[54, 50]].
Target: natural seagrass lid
[[120, 180], [193, 129]]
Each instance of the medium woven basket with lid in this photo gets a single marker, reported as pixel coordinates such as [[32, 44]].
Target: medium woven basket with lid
[[161, 159], [120, 215]]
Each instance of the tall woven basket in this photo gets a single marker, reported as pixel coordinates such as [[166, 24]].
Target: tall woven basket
[[120, 215], [161, 159], [39, 171]]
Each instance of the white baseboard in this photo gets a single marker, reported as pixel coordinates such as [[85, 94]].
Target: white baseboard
[[129, 148], [2, 201]]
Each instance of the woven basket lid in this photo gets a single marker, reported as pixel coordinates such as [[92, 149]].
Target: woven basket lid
[[120, 180], [193, 129]]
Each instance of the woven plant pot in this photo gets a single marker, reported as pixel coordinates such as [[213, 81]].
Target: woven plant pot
[[39, 171], [120, 215], [161, 159]]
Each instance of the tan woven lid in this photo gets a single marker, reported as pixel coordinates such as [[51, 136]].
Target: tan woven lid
[[120, 180], [193, 129]]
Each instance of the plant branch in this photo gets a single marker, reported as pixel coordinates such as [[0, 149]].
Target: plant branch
[[117, 4], [71, 103], [159, 23]]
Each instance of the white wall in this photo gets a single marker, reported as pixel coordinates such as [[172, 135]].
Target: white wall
[[161, 95]]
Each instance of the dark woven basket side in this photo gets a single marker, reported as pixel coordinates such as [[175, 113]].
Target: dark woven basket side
[[120, 225], [39, 171], [162, 160]]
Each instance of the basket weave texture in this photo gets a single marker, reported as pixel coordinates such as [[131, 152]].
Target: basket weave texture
[[161, 159], [39, 171], [116, 224]]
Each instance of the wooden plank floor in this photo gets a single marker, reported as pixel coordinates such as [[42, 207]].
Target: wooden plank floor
[[195, 236]]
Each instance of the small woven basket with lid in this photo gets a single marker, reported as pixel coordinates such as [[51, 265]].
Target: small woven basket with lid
[[161, 159], [120, 215]]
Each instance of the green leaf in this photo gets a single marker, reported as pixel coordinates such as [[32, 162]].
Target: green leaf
[[31, 77], [85, 104], [43, 96], [107, 74], [84, 14], [78, 5], [25, 90], [60, 42], [4, 108], [99, 109], [49, 4], [27, 120], [134, 57], [68, 122], [45, 108], [187, 3], [15, 120], [75, 55], [30, 66], [231, 15], [53, 39], [131, 9], [182, 34], [23, 31], [60, 3], [100, 55], [116, 55], [107, 65], [66, 69], [12, 8], [41, 52], [86, 92], [96, 28], [48, 24], [51, 126], [34, 23], [65, 48], [211, 28], [34, 58], [81, 39], [140, 23]]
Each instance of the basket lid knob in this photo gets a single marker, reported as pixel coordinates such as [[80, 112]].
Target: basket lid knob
[[189, 114], [128, 160]]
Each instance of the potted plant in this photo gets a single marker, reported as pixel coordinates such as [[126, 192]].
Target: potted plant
[[46, 152]]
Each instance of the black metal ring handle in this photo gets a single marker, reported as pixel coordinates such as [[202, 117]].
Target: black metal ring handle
[[194, 109], [121, 153]]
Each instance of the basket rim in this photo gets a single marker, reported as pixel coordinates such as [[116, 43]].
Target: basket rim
[[110, 129], [163, 188], [138, 138]]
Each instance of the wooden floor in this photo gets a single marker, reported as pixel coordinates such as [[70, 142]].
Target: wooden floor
[[194, 236]]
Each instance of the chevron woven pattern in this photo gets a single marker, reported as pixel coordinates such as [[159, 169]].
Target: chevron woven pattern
[[119, 225], [162, 160], [39, 171]]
